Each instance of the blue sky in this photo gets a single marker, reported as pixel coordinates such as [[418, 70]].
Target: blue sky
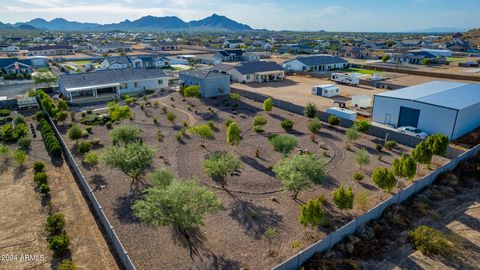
[[340, 15]]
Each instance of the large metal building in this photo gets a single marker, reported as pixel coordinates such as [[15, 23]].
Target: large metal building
[[450, 108]]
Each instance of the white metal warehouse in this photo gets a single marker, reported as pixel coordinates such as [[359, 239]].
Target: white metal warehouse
[[450, 108]]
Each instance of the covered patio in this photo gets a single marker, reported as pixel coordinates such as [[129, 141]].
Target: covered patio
[[269, 76], [93, 92]]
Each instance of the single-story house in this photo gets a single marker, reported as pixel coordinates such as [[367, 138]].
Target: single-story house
[[296, 49], [233, 43], [16, 66], [449, 108], [116, 62], [229, 55], [110, 48], [414, 57], [437, 52], [250, 57], [9, 48], [316, 63], [111, 82], [211, 83], [258, 71], [353, 52], [262, 44], [162, 46], [50, 50], [208, 59]]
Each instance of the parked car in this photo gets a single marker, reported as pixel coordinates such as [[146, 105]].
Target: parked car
[[413, 131]]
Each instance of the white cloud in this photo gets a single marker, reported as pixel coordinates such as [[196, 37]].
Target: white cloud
[[43, 3], [334, 11]]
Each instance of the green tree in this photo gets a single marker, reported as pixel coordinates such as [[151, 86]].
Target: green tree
[[179, 203], [385, 58], [5, 151], [203, 131], [219, 165], [438, 144], [425, 61], [283, 143], [300, 172], [271, 234], [333, 120], [59, 244], [310, 110], [351, 135], [132, 159], [422, 154], [384, 179], [192, 91], [314, 125], [43, 75], [259, 120], [343, 198], [61, 116], [404, 167], [287, 124], [125, 134], [233, 133], [268, 105], [362, 157], [55, 223], [67, 265], [362, 125], [312, 214], [62, 105], [92, 158], [75, 133]]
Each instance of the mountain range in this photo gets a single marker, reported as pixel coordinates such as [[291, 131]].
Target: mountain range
[[147, 23]]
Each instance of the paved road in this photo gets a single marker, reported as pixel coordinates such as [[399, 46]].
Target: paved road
[[17, 89]]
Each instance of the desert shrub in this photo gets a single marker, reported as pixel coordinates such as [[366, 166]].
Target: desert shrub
[[219, 165], [358, 176], [59, 244], [51, 142], [24, 142], [38, 166], [55, 223], [283, 143], [233, 133], [179, 136], [67, 265], [4, 112], [89, 129], [258, 129], [429, 241], [109, 124], [390, 144], [310, 110], [259, 120], [211, 124], [84, 147], [192, 91], [362, 125], [314, 125], [333, 120], [203, 131], [287, 124], [379, 147], [44, 189], [40, 178]]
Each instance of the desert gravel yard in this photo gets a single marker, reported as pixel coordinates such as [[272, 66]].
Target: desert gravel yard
[[253, 200]]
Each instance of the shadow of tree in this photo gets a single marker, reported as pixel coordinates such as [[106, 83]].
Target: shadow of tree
[[256, 165], [220, 263], [253, 218], [123, 207], [193, 240], [99, 182]]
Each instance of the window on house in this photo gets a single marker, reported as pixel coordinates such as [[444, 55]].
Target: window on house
[[135, 84], [160, 82], [123, 85]]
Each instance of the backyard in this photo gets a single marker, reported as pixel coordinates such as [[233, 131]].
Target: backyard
[[254, 203]]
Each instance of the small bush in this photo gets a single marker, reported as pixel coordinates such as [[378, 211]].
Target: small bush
[[228, 121], [89, 129], [379, 147], [358, 176], [179, 136], [258, 129], [84, 147], [109, 124], [314, 125], [24, 142], [333, 120], [287, 124], [44, 189], [38, 166], [211, 124], [283, 143], [4, 112], [389, 145], [259, 120], [310, 110], [59, 244], [67, 265], [40, 178], [429, 241], [55, 223]]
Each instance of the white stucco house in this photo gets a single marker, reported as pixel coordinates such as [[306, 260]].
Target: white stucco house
[[316, 63], [110, 83], [257, 71]]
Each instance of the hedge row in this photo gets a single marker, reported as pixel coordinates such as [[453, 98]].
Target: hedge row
[[51, 142]]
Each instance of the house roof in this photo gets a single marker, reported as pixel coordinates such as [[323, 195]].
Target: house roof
[[110, 76], [223, 67], [122, 60], [204, 74], [257, 66], [50, 47], [447, 94], [320, 60], [5, 62]]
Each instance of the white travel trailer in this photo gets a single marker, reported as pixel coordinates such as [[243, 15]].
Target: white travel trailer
[[345, 78], [342, 113], [361, 101], [325, 90]]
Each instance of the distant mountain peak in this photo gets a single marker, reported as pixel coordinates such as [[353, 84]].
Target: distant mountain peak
[[215, 22]]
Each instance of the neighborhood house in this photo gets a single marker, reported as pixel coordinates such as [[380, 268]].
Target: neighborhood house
[[316, 63], [211, 83]]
